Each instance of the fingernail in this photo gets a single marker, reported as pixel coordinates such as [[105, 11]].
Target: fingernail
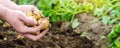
[[35, 22]]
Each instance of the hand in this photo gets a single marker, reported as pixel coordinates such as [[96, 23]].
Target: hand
[[32, 8], [29, 8], [18, 20]]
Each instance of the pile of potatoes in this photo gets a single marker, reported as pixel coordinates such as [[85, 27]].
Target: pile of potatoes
[[36, 15], [39, 18]]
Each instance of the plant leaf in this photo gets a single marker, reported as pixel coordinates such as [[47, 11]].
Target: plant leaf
[[105, 19], [75, 23]]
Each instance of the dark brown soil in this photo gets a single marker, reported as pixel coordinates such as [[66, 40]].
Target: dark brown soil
[[61, 35]]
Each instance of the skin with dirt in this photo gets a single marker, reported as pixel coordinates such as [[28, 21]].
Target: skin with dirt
[[61, 35]]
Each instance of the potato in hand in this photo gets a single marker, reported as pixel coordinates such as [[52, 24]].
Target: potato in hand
[[36, 15], [45, 21], [39, 18]]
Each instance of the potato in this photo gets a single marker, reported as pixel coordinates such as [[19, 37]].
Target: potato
[[20, 37], [5, 38], [39, 18], [37, 15], [6, 25], [28, 13], [37, 33], [45, 21], [32, 17]]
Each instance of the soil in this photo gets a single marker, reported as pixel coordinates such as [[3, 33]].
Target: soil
[[91, 33]]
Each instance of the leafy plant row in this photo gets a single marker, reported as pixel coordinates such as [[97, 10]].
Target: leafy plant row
[[109, 12], [65, 10], [114, 37]]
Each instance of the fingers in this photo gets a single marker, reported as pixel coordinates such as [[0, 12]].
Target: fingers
[[25, 29], [28, 8], [28, 20], [32, 8], [24, 8], [33, 37], [34, 29], [35, 9]]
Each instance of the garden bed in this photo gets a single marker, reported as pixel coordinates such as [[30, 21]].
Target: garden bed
[[91, 33]]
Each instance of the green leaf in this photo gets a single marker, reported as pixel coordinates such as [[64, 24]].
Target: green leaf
[[118, 11], [75, 23], [63, 9], [22, 2], [1, 22], [112, 21], [105, 19], [84, 34], [113, 13], [55, 19], [98, 12], [102, 37], [117, 42], [112, 35]]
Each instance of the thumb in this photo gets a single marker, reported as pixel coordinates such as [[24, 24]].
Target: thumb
[[28, 20]]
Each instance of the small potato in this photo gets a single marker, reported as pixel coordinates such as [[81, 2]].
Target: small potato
[[37, 33], [32, 17], [45, 21], [5, 38], [6, 25], [20, 37], [37, 15], [28, 13]]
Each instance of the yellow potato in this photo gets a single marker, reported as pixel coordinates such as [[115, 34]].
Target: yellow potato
[[20, 37], [5, 38], [32, 17], [45, 21], [6, 25], [28, 13], [37, 33], [39, 18], [37, 15]]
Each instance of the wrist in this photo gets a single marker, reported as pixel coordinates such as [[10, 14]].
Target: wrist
[[9, 4]]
